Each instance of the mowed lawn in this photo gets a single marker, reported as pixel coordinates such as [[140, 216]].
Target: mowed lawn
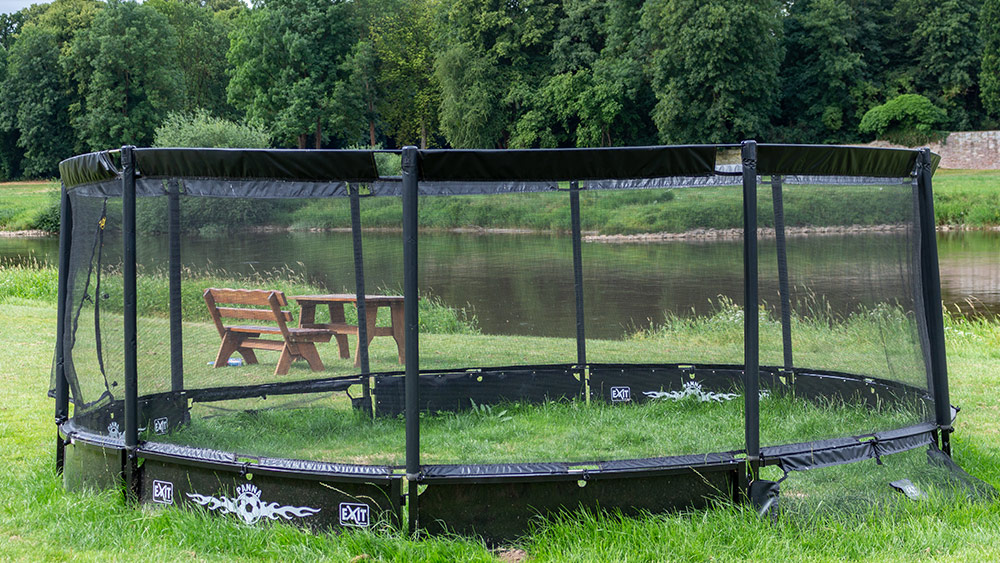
[[40, 521]]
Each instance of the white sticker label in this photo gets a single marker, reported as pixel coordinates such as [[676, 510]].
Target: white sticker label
[[621, 394], [352, 514], [163, 492], [249, 507]]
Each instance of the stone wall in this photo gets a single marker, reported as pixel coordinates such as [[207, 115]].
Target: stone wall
[[970, 150], [974, 150]]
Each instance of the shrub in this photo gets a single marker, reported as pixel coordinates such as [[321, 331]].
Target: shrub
[[49, 219], [908, 119], [201, 129], [207, 216]]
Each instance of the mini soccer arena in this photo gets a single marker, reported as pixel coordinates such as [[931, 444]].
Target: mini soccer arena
[[235, 375]]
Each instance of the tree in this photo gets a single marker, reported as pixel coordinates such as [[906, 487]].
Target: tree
[[492, 58], [946, 55], [10, 154], [36, 102], [354, 116], [202, 42], [598, 94], [989, 74], [824, 72], [714, 67], [287, 56], [211, 215], [67, 18], [128, 75], [402, 41]]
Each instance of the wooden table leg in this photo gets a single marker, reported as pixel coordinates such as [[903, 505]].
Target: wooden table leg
[[399, 330], [371, 315], [337, 316], [307, 315]]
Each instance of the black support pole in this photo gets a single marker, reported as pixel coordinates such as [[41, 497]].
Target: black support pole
[[751, 370], [62, 388], [359, 286], [359, 277], [174, 267], [783, 291], [129, 323], [931, 281], [574, 212], [412, 377]]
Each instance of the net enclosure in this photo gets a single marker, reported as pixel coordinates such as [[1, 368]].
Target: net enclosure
[[304, 335]]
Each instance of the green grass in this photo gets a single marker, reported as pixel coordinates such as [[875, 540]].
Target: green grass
[[553, 431], [41, 521], [969, 198], [22, 204]]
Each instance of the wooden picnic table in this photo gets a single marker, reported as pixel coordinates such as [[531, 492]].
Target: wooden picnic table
[[339, 326]]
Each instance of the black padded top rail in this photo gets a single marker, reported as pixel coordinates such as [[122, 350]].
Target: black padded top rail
[[819, 160], [242, 164], [567, 164], [265, 167]]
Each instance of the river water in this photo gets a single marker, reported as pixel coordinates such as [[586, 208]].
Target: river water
[[523, 283]]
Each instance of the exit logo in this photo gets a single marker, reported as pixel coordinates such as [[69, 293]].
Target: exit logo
[[621, 394], [160, 425], [352, 514], [163, 492]]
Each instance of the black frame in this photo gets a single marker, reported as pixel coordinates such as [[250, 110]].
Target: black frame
[[487, 488]]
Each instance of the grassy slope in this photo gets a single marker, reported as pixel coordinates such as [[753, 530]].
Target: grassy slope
[[962, 197], [39, 521], [22, 202]]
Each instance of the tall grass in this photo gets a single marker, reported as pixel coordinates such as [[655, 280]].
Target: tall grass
[[38, 281]]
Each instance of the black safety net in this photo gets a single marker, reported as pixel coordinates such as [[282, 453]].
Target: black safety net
[[577, 310]]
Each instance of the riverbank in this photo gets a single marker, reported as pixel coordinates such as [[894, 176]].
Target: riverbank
[[964, 199]]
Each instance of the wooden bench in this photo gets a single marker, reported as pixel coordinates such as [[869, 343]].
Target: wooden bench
[[262, 305]]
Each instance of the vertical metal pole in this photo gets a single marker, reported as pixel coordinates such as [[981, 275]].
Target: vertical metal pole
[[931, 281], [174, 269], [783, 291], [412, 382], [751, 370], [129, 322], [359, 286], [574, 212], [62, 388]]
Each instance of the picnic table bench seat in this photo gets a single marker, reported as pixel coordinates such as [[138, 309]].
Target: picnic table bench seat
[[262, 305]]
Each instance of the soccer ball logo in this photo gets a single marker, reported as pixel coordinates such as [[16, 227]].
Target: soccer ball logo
[[248, 504], [249, 507]]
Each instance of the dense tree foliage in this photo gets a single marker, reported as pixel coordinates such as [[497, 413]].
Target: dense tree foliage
[[493, 58], [288, 56], [36, 102], [825, 70], [202, 43], [82, 75], [989, 72], [129, 75], [714, 67]]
